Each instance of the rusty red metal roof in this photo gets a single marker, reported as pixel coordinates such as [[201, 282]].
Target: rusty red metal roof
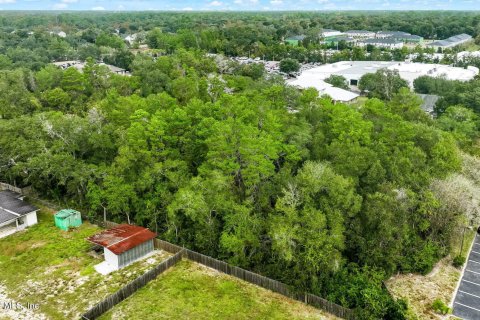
[[122, 238]]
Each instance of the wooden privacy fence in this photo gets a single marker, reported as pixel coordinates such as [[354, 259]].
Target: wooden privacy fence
[[259, 280], [125, 292], [179, 253], [270, 284]]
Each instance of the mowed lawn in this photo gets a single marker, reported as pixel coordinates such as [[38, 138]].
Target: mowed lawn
[[192, 291], [45, 265]]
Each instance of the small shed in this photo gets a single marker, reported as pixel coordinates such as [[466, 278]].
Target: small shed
[[124, 244], [68, 218]]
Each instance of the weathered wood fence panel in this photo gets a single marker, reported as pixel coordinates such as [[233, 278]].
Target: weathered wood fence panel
[[125, 292], [270, 284], [167, 246]]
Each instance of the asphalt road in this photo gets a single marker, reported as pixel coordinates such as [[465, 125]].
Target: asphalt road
[[467, 300]]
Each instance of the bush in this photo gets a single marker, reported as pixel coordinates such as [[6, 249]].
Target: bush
[[440, 307], [458, 261], [289, 65]]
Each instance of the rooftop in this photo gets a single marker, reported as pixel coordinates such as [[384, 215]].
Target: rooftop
[[122, 238], [65, 213], [408, 71], [299, 38], [358, 31], [452, 40], [381, 41], [9, 202]]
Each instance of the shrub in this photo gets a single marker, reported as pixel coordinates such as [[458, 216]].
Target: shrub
[[440, 307], [458, 261]]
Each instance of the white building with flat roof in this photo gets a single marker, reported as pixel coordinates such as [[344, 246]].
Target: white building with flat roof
[[354, 70], [323, 88]]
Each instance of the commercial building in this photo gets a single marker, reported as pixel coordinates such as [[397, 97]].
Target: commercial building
[[15, 213], [450, 42], [329, 33], [391, 34], [122, 246], [360, 34], [306, 80], [387, 43], [354, 70], [295, 40], [337, 39]]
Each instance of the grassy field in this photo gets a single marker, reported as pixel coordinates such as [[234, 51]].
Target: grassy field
[[420, 291], [192, 291], [52, 267]]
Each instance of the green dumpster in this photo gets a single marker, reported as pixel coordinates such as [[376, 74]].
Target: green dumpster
[[68, 218]]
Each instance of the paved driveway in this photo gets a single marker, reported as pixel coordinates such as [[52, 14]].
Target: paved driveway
[[467, 300]]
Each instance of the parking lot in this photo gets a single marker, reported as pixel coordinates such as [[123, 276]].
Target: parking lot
[[467, 300]]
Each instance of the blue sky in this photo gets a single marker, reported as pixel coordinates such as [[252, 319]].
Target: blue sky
[[189, 5]]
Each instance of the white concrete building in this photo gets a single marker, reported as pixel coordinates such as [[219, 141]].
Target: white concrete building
[[354, 70], [15, 214], [305, 81]]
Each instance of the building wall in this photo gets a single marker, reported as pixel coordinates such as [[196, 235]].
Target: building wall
[[111, 258], [31, 218], [135, 253]]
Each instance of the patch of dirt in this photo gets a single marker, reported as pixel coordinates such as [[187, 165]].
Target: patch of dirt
[[420, 291], [17, 313]]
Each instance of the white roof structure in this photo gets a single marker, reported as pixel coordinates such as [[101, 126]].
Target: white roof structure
[[330, 33], [468, 54], [323, 88], [354, 70]]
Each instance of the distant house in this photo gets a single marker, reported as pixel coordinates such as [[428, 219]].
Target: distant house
[[68, 218], [131, 38], [15, 214], [381, 43], [122, 246], [360, 34], [295, 40], [451, 42]]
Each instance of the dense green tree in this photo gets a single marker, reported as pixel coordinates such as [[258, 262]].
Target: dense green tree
[[289, 65]]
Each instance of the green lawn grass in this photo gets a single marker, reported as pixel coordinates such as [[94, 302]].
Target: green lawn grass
[[45, 265], [192, 291]]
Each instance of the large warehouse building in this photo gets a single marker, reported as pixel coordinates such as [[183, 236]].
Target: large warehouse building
[[354, 70]]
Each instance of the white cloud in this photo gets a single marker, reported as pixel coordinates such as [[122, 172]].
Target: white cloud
[[187, 9], [98, 8], [215, 3], [7, 1], [69, 1], [276, 2], [60, 6]]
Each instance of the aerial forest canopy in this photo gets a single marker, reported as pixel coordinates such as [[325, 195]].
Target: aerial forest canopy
[[330, 198]]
